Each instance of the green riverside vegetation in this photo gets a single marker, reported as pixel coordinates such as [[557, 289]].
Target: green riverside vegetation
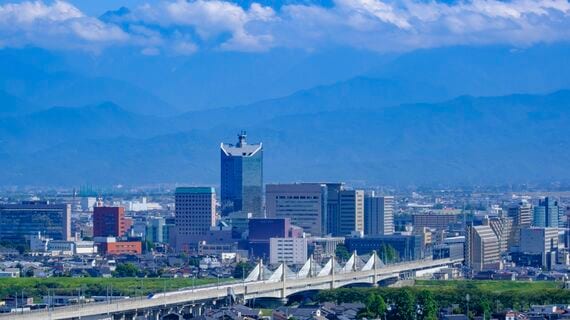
[[39, 287], [428, 295], [485, 297]]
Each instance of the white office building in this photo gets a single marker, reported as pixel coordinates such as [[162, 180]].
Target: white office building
[[288, 250]]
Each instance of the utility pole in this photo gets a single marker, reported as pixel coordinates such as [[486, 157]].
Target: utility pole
[[332, 271], [164, 292], [284, 287]]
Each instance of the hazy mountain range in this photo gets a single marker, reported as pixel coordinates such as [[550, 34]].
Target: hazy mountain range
[[156, 85], [73, 118], [514, 138]]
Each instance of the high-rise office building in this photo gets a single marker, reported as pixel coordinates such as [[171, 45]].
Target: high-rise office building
[[242, 177], [19, 221], [546, 214], [110, 222], [378, 215], [332, 218], [351, 212], [481, 248], [521, 213], [305, 204], [195, 215]]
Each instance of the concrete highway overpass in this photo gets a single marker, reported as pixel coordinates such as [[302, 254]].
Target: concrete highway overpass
[[261, 283]]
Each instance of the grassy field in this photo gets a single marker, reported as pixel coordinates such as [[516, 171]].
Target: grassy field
[[37, 287], [488, 285]]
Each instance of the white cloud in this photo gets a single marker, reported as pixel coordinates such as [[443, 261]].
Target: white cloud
[[29, 12], [212, 18], [55, 25], [150, 51], [184, 26], [184, 48], [382, 11]]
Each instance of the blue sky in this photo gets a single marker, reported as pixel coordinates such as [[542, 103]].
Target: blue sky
[[180, 27]]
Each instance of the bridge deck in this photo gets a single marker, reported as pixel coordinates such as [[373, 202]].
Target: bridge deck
[[249, 290]]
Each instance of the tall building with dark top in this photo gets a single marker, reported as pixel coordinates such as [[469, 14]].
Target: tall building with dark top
[[19, 221], [242, 177], [110, 222]]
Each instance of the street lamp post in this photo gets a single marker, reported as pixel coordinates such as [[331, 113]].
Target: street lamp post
[[467, 298]]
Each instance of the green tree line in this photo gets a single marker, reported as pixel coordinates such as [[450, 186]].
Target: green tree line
[[424, 302]]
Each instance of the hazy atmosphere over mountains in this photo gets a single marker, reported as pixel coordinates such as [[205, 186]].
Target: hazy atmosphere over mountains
[[94, 94]]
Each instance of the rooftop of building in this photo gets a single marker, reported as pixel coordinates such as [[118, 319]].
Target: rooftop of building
[[195, 190], [34, 205], [241, 148]]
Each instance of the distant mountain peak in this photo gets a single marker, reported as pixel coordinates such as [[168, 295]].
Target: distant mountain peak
[[111, 15]]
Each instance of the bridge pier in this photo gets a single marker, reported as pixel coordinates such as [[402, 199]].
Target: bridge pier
[[154, 314], [172, 316], [332, 272], [375, 278], [197, 309], [284, 285]]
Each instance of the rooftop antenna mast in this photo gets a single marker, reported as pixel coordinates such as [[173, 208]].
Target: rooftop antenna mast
[[242, 138]]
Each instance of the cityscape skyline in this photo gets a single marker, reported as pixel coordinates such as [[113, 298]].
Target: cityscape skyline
[[394, 160]]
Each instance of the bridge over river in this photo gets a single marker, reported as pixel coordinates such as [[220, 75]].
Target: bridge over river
[[260, 283]]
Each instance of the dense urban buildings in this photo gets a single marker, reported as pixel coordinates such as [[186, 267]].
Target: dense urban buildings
[[242, 177], [20, 221], [305, 204], [189, 232], [261, 231], [378, 215], [110, 222], [433, 220], [405, 247], [195, 215], [326, 208]]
